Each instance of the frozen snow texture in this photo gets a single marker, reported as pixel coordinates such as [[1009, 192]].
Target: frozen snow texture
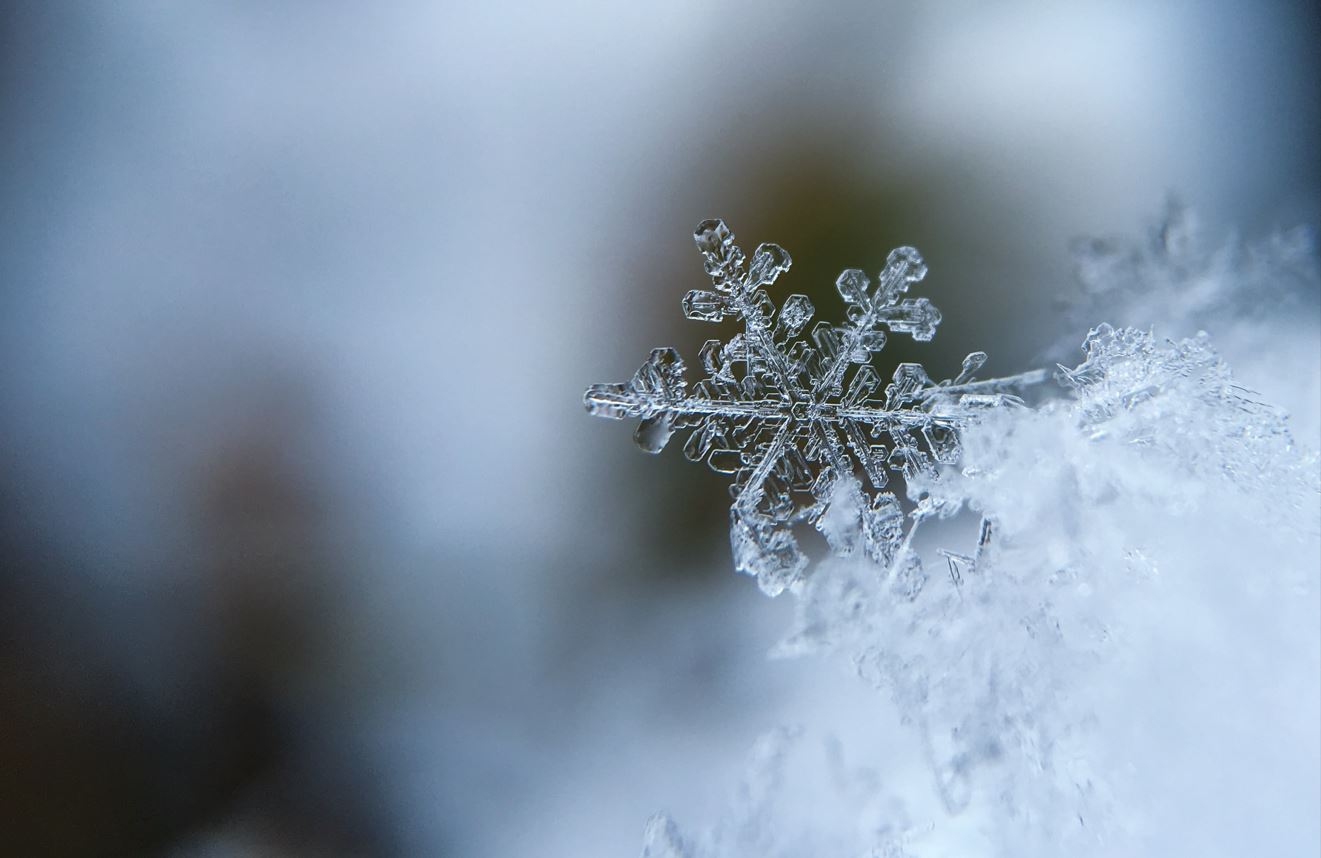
[[1009, 675], [1130, 665], [851, 813], [1129, 659], [1179, 399], [1254, 295], [1184, 280], [792, 418]]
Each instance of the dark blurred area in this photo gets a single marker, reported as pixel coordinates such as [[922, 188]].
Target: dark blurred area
[[306, 545]]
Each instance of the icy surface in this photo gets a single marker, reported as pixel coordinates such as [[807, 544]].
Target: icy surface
[[792, 418]]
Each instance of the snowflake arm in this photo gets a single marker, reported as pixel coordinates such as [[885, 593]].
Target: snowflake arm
[[792, 417]]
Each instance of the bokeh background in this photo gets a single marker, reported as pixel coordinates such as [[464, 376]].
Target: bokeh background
[[306, 544]]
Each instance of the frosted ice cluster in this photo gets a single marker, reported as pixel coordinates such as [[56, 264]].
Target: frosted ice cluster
[[1126, 660]]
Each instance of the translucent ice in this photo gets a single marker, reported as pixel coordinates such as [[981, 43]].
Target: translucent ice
[[790, 418]]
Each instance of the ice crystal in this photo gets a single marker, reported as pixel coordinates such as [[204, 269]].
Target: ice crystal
[[1179, 278], [793, 418], [1180, 398]]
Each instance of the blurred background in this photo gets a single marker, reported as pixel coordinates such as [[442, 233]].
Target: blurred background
[[307, 546]]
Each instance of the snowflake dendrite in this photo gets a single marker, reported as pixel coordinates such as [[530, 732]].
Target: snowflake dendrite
[[793, 418]]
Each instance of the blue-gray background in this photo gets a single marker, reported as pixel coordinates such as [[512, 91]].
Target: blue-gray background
[[307, 545]]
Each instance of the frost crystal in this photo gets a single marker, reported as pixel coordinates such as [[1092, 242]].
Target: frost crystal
[[792, 418], [1179, 400]]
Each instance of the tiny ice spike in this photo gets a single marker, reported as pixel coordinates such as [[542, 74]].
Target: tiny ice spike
[[791, 417]]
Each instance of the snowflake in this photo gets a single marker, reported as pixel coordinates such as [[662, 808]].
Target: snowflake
[[793, 418]]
